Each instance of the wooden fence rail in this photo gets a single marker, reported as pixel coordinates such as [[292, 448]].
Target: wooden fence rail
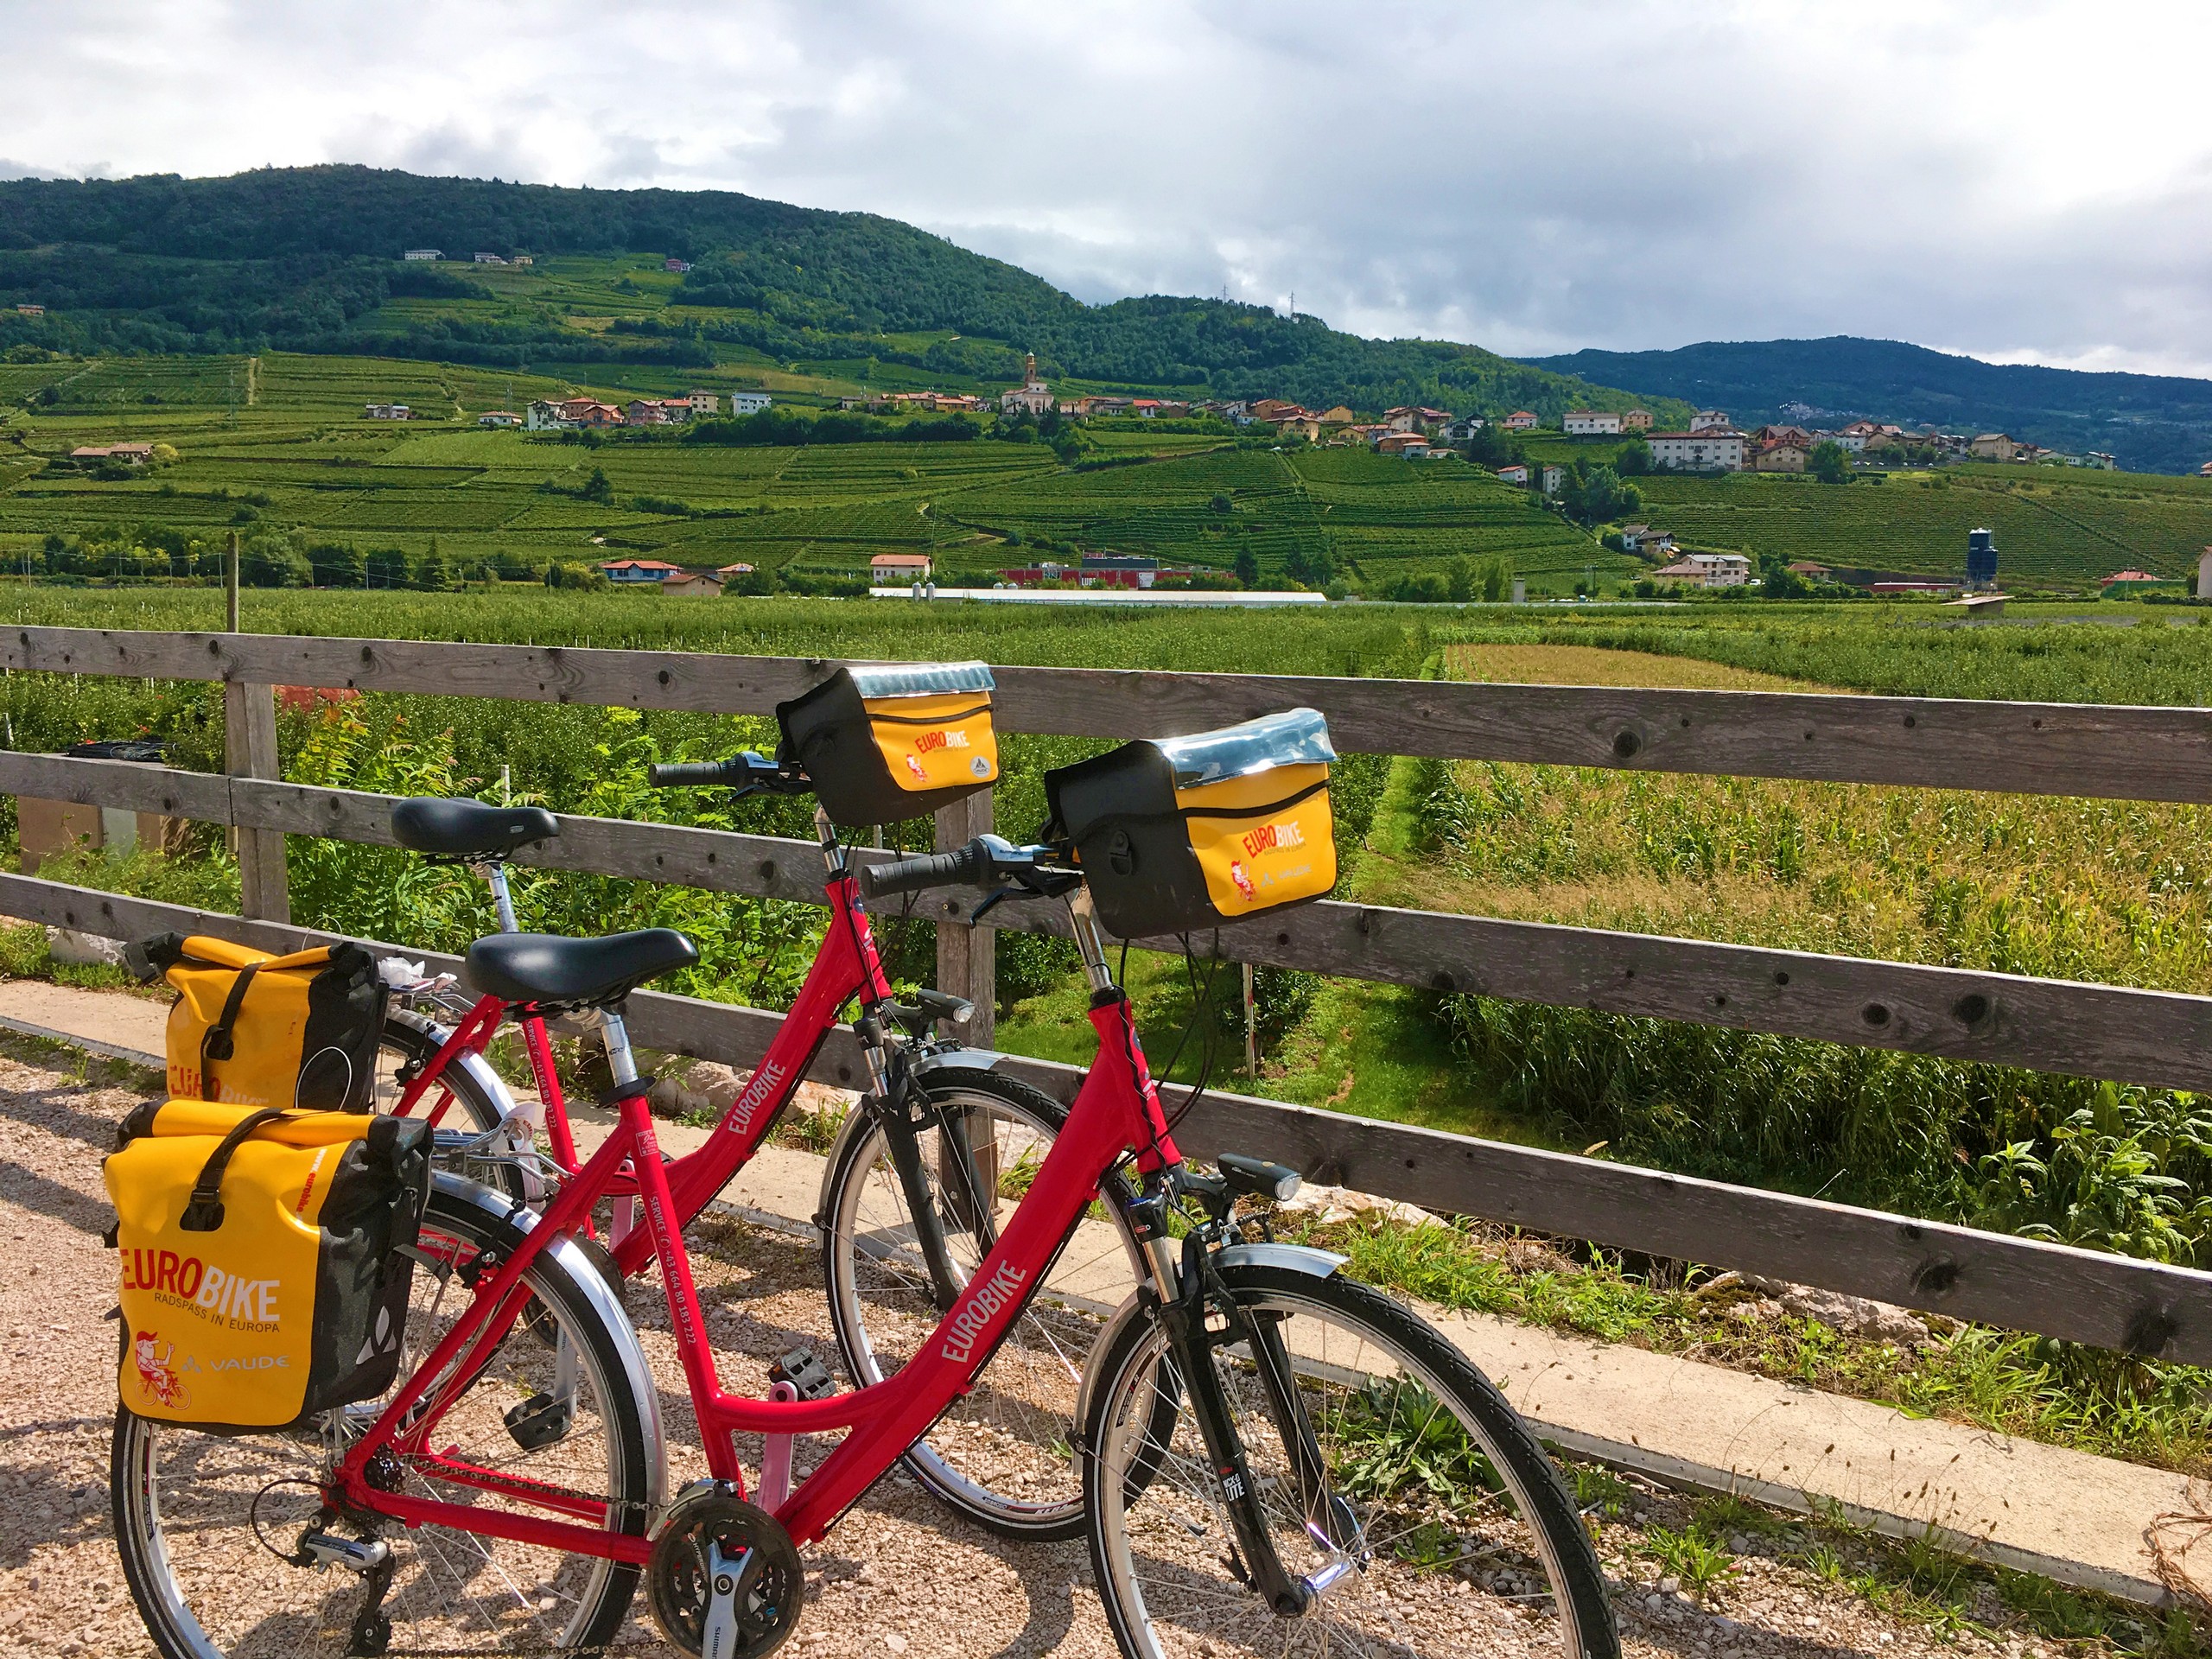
[[2157, 1038]]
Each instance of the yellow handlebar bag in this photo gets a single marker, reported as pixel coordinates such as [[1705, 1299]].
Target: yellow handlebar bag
[[265, 1276], [886, 741], [1183, 833], [253, 1029]]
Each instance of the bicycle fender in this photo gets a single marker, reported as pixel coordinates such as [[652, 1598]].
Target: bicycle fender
[[1290, 1258], [637, 1372], [957, 1059]]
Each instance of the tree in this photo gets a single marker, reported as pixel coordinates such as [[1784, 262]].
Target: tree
[[1830, 463], [1311, 566], [1778, 580], [598, 487], [387, 567], [336, 564], [1459, 579], [1593, 494], [1634, 460], [1498, 576], [1247, 566], [434, 575]]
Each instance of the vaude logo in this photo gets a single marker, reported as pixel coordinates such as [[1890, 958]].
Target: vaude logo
[[764, 1084], [983, 1305]]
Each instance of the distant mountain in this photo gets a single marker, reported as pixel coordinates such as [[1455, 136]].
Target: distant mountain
[[2152, 422], [308, 259]]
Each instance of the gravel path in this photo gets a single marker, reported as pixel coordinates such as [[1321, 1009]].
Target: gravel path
[[896, 1576]]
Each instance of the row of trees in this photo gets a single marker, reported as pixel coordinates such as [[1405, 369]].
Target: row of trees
[[274, 558]]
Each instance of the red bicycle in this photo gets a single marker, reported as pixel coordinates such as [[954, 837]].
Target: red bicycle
[[1274, 1458], [910, 1199]]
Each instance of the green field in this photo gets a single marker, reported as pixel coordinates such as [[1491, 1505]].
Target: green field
[[279, 442], [2059, 527]]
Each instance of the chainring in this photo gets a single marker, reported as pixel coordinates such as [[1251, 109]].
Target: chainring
[[681, 1578]]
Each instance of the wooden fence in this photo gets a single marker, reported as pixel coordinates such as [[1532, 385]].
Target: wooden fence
[[2148, 1036]]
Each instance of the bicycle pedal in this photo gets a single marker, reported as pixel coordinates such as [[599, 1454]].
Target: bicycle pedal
[[540, 1420], [809, 1377]]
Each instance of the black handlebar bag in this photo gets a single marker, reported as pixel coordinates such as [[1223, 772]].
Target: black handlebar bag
[[1183, 833], [882, 742]]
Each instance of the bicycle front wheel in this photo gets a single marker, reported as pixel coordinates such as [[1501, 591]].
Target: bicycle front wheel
[[206, 1522], [1445, 1530], [1004, 1456]]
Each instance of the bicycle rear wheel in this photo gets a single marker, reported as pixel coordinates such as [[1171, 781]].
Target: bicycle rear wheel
[[1452, 1533], [465, 1096], [203, 1521], [1004, 1455]]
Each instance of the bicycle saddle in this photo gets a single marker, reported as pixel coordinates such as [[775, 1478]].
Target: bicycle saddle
[[552, 970], [463, 829]]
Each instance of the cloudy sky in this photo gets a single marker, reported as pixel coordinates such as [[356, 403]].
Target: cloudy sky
[[2031, 182]]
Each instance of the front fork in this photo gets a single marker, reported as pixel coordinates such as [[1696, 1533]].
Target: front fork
[[1200, 1318]]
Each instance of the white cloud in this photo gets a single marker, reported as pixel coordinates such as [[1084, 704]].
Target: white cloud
[[2032, 183]]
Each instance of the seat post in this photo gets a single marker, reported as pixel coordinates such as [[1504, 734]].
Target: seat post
[[496, 874], [620, 1063]]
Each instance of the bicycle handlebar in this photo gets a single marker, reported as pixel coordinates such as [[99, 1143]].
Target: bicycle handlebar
[[964, 867], [984, 862], [749, 770]]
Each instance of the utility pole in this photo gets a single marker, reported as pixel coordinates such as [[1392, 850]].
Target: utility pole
[[231, 585]]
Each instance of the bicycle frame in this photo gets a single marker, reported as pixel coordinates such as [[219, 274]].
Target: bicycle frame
[[1116, 1113], [845, 966]]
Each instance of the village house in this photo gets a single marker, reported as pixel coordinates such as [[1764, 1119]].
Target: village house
[[703, 403], [1413, 445], [1644, 540], [386, 412], [498, 417], [727, 572], [673, 264], [1780, 455], [2127, 578], [1709, 420], [522, 259], [1590, 423], [490, 259], [693, 584], [1515, 474], [748, 403], [1555, 477], [1520, 420], [1341, 415], [1796, 435], [30, 310], [1636, 419], [898, 569], [640, 573], [1809, 570], [1032, 396], [420, 254], [1715, 450], [1992, 446], [1410, 419], [1463, 429], [1269, 408], [1708, 570], [128, 454]]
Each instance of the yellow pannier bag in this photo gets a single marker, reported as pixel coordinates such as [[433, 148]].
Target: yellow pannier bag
[[265, 1276], [254, 1029], [1185, 833], [887, 741]]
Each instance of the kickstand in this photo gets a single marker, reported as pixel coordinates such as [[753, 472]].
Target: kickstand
[[776, 1458]]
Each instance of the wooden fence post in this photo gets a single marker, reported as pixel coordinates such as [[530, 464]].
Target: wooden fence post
[[964, 962], [250, 751]]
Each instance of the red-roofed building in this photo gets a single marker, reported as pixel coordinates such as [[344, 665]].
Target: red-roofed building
[[1520, 420]]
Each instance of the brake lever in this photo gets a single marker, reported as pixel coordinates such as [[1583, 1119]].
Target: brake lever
[[984, 909]]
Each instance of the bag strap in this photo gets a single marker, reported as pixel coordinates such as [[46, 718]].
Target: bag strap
[[217, 1044], [204, 1213]]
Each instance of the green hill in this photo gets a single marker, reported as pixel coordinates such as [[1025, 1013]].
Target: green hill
[[308, 259], [2152, 422]]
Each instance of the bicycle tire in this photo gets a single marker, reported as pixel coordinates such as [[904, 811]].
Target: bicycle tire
[[215, 1582], [1017, 1420], [410, 1039], [1173, 1548]]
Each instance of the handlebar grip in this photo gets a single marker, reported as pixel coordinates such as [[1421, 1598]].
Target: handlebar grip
[[967, 864], [697, 774]]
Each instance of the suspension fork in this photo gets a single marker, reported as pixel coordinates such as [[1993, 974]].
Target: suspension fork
[[904, 1110], [1201, 1318]]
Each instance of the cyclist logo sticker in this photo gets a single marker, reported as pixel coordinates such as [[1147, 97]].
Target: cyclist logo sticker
[[158, 1373]]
